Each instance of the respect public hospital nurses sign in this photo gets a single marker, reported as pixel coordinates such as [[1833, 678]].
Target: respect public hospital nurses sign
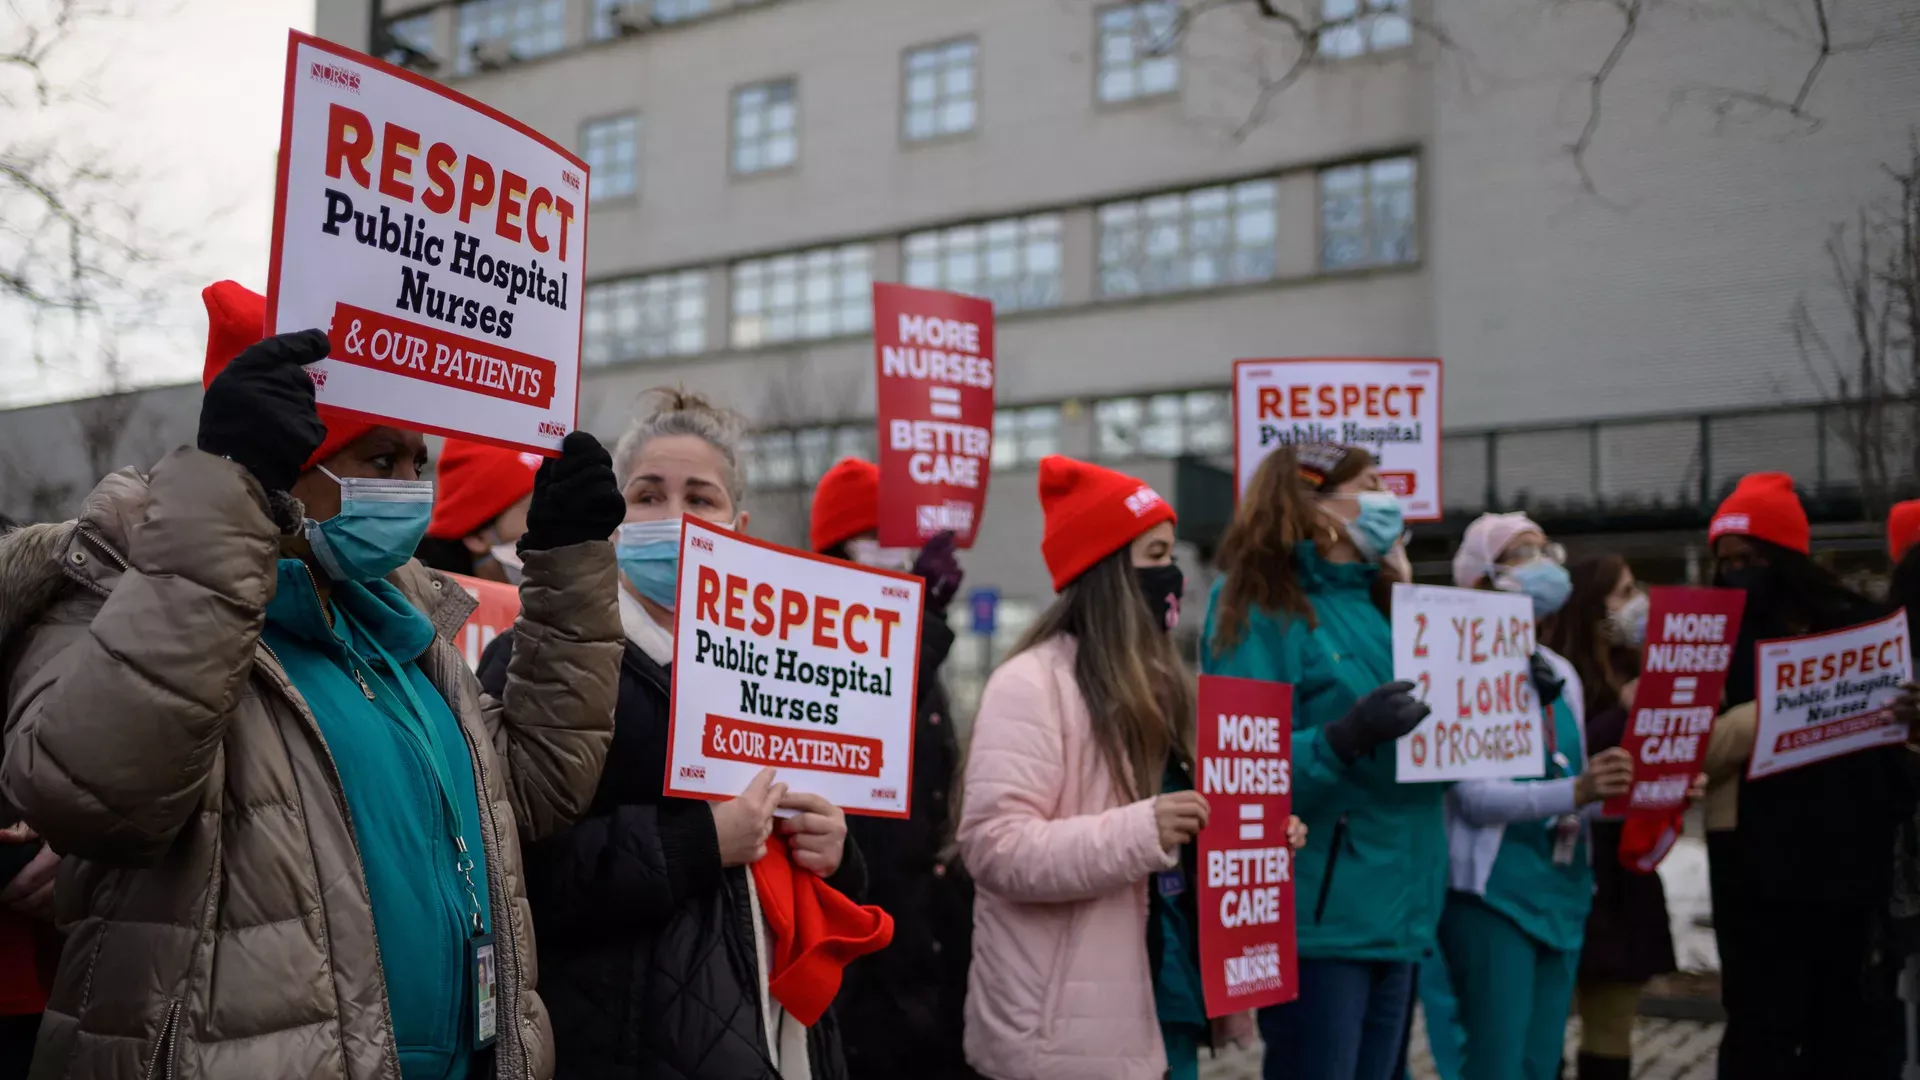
[[1390, 408], [440, 243], [787, 659]]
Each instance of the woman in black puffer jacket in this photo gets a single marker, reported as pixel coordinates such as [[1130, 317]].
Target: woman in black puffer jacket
[[650, 961]]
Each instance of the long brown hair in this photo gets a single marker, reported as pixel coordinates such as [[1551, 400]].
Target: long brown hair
[[1276, 511], [1139, 695], [1575, 632]]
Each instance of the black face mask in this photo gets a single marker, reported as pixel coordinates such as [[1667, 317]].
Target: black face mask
[[1162, 586], [1757, 623]]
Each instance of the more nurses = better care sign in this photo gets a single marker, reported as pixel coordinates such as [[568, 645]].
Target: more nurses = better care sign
[[439, 243], [1248, 956], [792, 660]]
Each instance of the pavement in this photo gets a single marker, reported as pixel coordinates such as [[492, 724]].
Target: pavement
[[1662, 1050]]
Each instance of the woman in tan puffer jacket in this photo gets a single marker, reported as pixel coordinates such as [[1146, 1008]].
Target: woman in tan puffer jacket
[[221, 921]]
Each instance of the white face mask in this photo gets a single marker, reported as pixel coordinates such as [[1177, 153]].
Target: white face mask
[[1628, 625], [868, 552], [508, 556]]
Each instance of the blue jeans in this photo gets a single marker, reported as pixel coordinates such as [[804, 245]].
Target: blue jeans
[[1347, 1024]]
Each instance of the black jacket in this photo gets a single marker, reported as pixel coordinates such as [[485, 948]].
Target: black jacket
[[647, 959], [1628, 935], [902, 1007]]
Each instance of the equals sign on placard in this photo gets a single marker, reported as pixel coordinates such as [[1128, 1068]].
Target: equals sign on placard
[[946, 402], [1252, 814], [1684, 687]]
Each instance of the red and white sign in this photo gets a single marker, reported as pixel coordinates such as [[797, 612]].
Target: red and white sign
[[499, 605], [1390, 408], [440, 243], [1828, 695], [1467, 653], [933, 357], [1683, 668], [1248, 958], [796, 661]]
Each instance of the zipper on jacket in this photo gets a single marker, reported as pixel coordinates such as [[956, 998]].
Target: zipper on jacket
[[161, 1064], [1333, 859]]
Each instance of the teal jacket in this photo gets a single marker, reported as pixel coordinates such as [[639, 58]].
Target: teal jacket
[[1548, 901], [1370, 883], [421, 909]]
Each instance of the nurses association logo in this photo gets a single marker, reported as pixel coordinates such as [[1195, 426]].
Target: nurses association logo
[[1143, 500]]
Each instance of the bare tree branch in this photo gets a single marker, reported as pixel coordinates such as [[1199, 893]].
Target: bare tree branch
[[1630, 12]]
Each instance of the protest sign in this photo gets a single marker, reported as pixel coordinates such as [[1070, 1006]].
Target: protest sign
[[1828, 695], [793, 660], [440, 243], [1245, 902], [498, 605], [1466, 652], [933, 360], [1390, 408], [1683, 668]]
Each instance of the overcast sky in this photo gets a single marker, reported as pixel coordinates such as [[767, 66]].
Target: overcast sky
[[188, 92]]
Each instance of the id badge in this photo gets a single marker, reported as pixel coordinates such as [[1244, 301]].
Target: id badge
[[1170, 883], [485, 976], [1566, 833]]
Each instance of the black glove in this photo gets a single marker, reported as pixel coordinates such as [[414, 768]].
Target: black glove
[[1381, 717], [1545, 682], [575, 498], [259, 411], [939, 566]]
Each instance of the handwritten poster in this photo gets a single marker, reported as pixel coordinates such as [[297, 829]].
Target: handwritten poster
[[1467, 652]]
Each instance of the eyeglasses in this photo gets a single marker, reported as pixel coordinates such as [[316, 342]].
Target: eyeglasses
[[1522, 554]]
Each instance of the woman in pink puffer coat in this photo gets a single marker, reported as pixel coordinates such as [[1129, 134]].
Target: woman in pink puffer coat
[[1060, 826]]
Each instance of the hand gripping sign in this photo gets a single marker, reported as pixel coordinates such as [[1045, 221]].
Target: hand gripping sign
[[1827, 695], [933, 357], [1245, 902], [796, 661], [1690, 635], [1466, 652], [1390, 408], [440, 243]]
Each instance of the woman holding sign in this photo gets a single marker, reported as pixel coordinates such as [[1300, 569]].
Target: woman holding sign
[[1520, 883], [1064, 821], [1303, 600], [660, 951], [291, 820], [1800, 883]]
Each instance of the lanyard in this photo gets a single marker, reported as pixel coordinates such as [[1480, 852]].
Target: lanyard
[[417, 725]]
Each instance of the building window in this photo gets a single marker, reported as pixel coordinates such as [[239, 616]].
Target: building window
[[941, 92], [1165, 425], [410, 42], [646, 317], [608, 21], [779, 460], [1367, 214], [803, 296], [1353, 27], [1021, 437], [524, 29], [766, 133], [1138, 56], [612, 150], [1014, 262], [1188, 240]]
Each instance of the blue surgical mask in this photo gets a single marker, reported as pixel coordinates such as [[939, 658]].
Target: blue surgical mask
[[1379, 525], [379, 525], [1544, 580], [649, 555]]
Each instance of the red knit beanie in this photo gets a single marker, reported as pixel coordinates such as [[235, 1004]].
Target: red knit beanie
[[236, 317], [1764, 507], [1903, 528], [1091, 513], [845, 504], [475, 483], [817, 932]]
